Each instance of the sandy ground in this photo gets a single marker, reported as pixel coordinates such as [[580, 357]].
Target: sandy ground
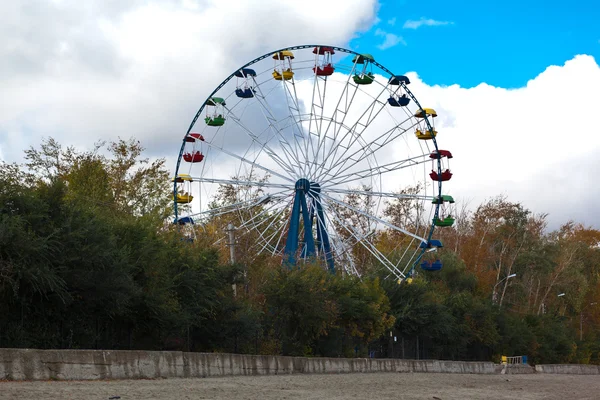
[[348, 386]]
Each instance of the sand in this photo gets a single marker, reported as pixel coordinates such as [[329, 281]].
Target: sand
[[346, 386]]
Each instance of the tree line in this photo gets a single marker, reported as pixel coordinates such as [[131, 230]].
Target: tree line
[[89, 258]]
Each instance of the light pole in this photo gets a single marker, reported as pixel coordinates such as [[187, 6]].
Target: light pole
[[581, 321], [494, 294]]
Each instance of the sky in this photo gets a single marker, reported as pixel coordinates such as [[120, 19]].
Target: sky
[[514, 83]]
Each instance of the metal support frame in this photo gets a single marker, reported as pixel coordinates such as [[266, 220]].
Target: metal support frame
[[305, 189], [299, 207], [322, 234]]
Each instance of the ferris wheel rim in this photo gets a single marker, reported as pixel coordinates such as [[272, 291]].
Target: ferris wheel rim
[[300, 47]]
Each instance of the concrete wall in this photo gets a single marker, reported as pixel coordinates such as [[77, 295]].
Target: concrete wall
[[26, 364], [514, 369], [575, 369]]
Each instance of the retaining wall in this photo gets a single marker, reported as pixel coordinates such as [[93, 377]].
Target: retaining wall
[[514, 369], [27, 364], [575, 369]]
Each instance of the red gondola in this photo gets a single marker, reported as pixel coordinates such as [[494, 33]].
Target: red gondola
[[193, 157], [326, 70], [192, 137], [323, 49], [439, 155], [324, 64], [445, 176]]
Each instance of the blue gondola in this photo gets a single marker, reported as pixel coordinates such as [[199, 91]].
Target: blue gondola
[[185, 220], [244, 93], [431, 265], [245, 72], [397, 79], [432, 243], [401, 101]]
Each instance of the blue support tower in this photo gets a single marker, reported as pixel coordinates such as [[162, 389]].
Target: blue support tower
[[300, 209]]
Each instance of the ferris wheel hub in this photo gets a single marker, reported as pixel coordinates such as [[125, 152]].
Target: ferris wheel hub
[[303, 185]]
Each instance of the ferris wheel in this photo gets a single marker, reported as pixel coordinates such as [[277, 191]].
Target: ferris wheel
[[317, 153]]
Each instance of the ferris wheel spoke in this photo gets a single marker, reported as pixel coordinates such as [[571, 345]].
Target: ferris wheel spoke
[[406, 251], [249, 162], [362, 240], [256, 221], [355, 132], [264, 146], [228, 208], [293, 105], [252, 225], [379, 170], [346, 101], [374, 218], [266, 241], [368, 111], [235, 182], [316, 113], [305, 135], [392, 195], [313, 116], [371, 148], [267, 111], [337, 250]]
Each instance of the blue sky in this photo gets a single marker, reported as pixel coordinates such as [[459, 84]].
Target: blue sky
[[503, 43]]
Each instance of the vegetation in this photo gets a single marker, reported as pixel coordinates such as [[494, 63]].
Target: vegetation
[[88, 261]]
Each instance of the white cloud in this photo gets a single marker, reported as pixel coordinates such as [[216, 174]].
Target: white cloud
[[389, 40], [537, 144], [414, 24], [88, 70], [392, 21]]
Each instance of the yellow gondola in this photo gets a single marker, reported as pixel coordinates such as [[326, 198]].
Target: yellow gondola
[[287, 75], [425, 135], [182, 178], [430, 112], [282, 55], [184, 198]]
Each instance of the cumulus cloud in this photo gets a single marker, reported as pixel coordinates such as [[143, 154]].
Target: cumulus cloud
[[81, 71], [389, 40], [415, 24], [536, 144]]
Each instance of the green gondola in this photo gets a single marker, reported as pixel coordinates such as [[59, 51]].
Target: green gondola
[[448, 221], [365, 79], [443, 199], [215, 121]]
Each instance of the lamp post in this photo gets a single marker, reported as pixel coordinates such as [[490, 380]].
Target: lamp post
[[581, 321], [494, 294]]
